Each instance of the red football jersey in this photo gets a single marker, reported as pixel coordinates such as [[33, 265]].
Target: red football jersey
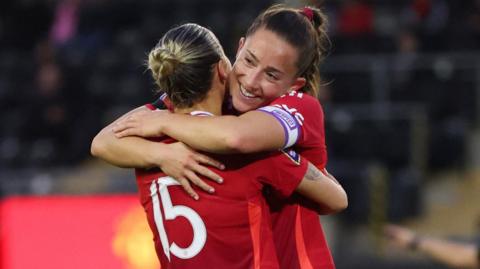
[[228, 229], [297, 232]]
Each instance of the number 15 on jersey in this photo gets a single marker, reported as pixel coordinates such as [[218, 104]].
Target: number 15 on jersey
[[159, 192]]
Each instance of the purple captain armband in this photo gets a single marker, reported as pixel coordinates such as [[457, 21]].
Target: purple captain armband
[[290, 125]]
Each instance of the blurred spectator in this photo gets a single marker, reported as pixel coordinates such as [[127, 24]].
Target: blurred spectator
[[475, 16], [64, 27], [405, 58], [430, 18], [473, 24], [355, 18], [421, 8], [49, 115], [47, 125], [450, 253]]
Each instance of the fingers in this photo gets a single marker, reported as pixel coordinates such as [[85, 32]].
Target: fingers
[[198, 182], [123, 124], [126, 132], [207, 173], [119, 126], [186, 186], [209, 161], [126, 128]]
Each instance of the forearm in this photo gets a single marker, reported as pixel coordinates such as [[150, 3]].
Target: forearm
[[453, 254], [254, 132], [127, 152], [327, 193]]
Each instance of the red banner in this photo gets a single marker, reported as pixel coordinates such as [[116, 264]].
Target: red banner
[[60, 232]]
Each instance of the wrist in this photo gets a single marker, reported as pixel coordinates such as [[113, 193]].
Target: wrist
[[160, 128], [153, 156], [161, 122]]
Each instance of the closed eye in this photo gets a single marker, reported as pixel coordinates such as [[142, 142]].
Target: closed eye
[[272, 76], [249, 61]]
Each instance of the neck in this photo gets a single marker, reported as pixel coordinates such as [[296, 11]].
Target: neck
[[212, 103]]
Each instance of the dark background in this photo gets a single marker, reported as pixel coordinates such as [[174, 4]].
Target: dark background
[[401, 98]]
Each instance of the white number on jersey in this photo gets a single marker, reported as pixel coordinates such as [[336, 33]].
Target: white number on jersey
[[293, 93], [171, 212]]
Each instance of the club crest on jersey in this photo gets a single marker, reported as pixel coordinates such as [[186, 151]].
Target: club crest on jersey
[[292, 155]]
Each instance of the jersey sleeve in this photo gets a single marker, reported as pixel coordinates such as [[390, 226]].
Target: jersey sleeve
[[308, 113], [306, 110], [291, 127], [287, 169], [301, 115]]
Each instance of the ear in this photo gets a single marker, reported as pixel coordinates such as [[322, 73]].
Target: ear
[[241, 43], [298, 84], [224, 68]]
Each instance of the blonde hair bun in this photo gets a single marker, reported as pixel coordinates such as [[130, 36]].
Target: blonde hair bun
[[162, 62]]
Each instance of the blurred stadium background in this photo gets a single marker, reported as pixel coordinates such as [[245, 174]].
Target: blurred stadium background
[[402, 104]]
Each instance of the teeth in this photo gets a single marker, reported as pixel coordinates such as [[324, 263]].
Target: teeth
[[245, 92]]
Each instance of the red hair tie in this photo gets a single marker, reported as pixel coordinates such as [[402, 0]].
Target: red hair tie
[[308, 12]]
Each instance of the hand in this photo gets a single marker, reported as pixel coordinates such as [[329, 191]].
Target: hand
[[143, 123], [184, 165], [399, 236]]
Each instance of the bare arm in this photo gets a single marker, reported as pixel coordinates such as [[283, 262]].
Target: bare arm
[[175, 160], [457, 255], [451, 253], [324, 190], [126, 152], [253, 131]]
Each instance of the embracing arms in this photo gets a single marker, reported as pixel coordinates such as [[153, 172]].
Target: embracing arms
[[253, 131], [127, 152], [324, 190], [176, 160]]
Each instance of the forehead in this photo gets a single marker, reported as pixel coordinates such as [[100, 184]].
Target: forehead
[[272, 51]]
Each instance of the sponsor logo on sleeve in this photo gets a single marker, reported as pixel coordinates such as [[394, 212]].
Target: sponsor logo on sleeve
[[292, 155]]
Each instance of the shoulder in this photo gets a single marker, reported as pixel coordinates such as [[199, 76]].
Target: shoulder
[[294, 102], [300, 105], [295, 97]]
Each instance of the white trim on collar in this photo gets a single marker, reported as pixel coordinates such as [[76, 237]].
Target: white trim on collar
[[200, 113]]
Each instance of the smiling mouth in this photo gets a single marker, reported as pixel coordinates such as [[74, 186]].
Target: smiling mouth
[[245, 93]]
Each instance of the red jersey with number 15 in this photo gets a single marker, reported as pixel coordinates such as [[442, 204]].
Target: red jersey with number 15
[[297, 232], [228, 229]]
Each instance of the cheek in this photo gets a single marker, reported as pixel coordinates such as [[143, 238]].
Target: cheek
[[272, 91], [234, 74]]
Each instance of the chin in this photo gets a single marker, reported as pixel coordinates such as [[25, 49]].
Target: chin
[[242, 107]]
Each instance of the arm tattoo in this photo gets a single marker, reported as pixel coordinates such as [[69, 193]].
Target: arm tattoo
[[313, 173]]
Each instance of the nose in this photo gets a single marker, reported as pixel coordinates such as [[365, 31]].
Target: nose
[[252, 80]]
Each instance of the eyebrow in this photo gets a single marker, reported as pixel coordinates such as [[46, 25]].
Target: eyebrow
[[269, 68]]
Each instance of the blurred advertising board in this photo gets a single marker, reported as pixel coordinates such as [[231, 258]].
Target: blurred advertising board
[[58, 232]]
